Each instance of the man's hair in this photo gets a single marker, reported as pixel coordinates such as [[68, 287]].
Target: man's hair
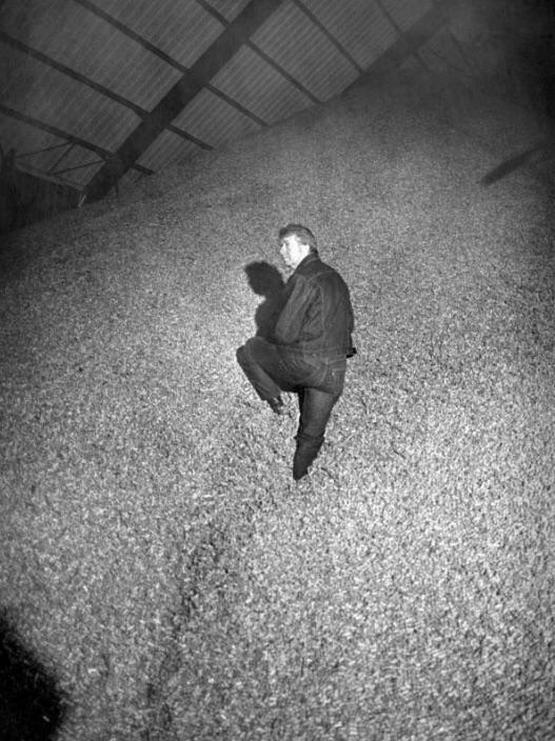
[[303, 234]]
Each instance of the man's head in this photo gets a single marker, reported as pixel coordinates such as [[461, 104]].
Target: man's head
[[295, 243]]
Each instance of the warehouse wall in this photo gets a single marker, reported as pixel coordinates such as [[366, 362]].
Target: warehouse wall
[[26, 198]]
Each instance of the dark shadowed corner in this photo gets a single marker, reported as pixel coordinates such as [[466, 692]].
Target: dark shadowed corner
[[31, 705], [266, 280]]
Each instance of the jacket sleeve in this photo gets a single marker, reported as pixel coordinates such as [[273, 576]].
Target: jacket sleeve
[[292, 317]]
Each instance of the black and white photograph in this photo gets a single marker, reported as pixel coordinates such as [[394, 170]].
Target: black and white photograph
[[277, 370]]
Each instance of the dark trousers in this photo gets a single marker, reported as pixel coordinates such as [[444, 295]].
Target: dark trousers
[[317, 381]]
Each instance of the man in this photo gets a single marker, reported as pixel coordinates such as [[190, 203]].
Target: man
[[310, 342]]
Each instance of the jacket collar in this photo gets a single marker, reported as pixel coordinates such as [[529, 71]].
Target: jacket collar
[[310, 258]]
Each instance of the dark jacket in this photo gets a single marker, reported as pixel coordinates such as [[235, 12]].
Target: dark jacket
[[317, 316]]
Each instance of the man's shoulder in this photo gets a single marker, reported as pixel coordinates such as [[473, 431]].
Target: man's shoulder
[[313, 271], [321, 272], [312, 266]]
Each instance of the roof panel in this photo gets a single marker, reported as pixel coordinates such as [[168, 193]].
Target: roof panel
[[406, 12], [211, 119], [183, 30], [291, 39], [257, 86], [358, 25], [44, 159], [169, 148], [56, 99], [230, 9], [42, 153], [35, 148], [77, 167], [94, 48]]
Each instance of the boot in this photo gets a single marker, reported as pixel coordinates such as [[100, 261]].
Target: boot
[[305, 453]]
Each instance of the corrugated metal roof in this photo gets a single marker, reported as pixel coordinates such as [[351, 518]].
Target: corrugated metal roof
[[307, 50], [359, 26], [88, 44], [183, 30], [168, 148], [230, 9], [54, 98], [211, 119], [292, 40], [259, 87], [406, 12]]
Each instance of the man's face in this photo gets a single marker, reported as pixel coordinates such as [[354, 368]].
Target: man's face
[[292, 251]]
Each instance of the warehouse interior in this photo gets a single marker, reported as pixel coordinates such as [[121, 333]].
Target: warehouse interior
[[162, 576]]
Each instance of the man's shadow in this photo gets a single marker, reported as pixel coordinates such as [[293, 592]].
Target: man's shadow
[[266, 280], [31, 704]]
